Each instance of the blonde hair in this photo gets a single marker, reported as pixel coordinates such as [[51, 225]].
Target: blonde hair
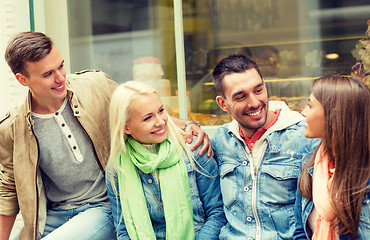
[[119, 114]]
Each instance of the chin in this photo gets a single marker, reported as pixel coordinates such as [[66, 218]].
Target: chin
[[307, 135]]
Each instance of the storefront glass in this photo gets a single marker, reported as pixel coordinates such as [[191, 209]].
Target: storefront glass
[[293, 41]]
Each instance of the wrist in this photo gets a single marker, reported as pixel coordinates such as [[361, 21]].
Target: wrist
[[189, 123]]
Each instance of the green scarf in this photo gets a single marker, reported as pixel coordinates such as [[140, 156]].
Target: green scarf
[[174, 186]]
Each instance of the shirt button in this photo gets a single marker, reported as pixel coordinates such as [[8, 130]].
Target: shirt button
[[76, 106], [246, 189], [69, 136], [234, 213], [63, 124], [245, 163], [249, 238], [56, 113], [74, 147], [150, 180], [77, 112], [249, 219], [252, 144]]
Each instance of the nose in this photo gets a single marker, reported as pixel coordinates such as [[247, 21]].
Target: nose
[[304, 112], [253, 101], [59, 76], [159, 121]]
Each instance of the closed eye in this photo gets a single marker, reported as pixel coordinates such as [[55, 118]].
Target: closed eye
[[48, 74], [147, 118]]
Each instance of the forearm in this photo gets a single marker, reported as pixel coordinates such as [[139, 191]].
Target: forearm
[[178, 122], [6, 225], [210, 194]]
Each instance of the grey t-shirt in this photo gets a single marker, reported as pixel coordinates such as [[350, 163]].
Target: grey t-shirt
[[70, 170]]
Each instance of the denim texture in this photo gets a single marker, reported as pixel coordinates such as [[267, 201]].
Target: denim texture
[[259, 203], [205, 193], [89, 221], [303, 208]]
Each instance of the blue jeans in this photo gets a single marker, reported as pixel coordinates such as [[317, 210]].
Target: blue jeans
[[90, 221]]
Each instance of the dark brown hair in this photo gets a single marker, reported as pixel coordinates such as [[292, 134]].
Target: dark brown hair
[[232, 64], [346, 103], [26, 47]]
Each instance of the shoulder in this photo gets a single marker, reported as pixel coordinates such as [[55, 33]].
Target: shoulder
[[222, 134], [4, 117], [95, 80], [11, 115], [89, 74], [7, 120]]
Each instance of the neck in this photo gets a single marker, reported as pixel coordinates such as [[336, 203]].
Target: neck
[[45, 108]]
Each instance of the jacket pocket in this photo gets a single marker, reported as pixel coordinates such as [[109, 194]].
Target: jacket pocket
[[278, 184], [229, 185]]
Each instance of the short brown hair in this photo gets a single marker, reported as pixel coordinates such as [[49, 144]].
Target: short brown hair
[[26, 47]]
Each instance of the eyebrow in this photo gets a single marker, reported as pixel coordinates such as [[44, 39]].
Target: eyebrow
[[150, 114], [45, 73], [241, 92]]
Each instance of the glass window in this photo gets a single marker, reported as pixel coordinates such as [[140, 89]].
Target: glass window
[[129, 40], [292, 41]]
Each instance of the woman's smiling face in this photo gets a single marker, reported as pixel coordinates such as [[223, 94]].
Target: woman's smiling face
[[147, 120]]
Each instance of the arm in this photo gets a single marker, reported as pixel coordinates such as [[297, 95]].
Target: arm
[[299, 232], [115, 203], [8, 195], [208, 183], [6, 225], [194, 130]]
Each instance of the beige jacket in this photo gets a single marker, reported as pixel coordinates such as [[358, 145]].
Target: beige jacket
[[21, 186]]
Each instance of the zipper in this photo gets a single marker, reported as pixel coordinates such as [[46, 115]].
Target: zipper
[[37, 169], [254, 195]]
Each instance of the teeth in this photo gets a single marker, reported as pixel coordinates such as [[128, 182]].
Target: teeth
[[159, 132], [59, 87], [255, 114]]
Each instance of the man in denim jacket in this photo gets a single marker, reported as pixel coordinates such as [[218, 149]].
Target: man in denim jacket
[[259, 154]]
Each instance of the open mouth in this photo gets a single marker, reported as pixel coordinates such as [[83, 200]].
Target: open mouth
[[159, 132], [60, 87], [255, 113]]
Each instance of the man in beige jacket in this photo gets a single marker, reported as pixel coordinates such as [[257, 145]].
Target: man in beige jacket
[[54, 147]]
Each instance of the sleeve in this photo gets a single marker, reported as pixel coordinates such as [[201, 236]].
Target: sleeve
[[115, 204], [208, 182], [8, 195], [299, 232]]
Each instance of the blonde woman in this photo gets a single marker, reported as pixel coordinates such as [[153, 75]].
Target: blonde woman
[[158, 188]]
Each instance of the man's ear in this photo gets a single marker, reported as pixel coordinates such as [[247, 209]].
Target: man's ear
[[222, 103], [21, 79]]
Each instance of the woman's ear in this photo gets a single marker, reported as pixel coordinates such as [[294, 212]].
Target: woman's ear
[[222, 103], [21, 79], [127, 131]]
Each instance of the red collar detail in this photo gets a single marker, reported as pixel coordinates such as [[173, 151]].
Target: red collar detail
[[259, 133]]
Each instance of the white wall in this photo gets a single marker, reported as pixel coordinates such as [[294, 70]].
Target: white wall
[[14, 18]]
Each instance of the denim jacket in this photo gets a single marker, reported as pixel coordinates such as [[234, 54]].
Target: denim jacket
[[303, 208], [205, 193], [259, 186]]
